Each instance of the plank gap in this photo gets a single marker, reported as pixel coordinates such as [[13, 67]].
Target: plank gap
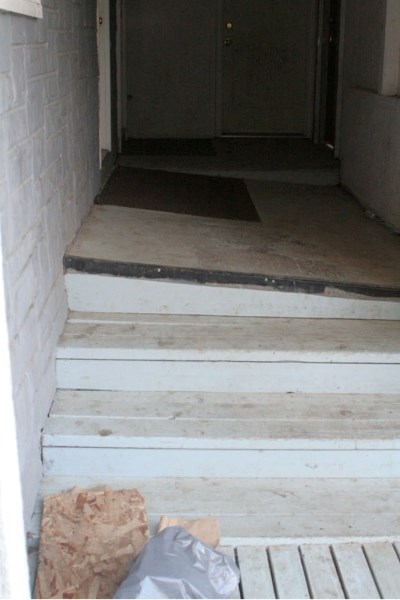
[[378, 586], [240, 586], [396, 548], [303, 564], [338, 571], [272, 571]]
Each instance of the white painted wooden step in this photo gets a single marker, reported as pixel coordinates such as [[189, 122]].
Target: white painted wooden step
[[173, 462], [224, 421], [222, 435], [187, 337], [102, 293], [264, 511], [220, 376], [249, 354]]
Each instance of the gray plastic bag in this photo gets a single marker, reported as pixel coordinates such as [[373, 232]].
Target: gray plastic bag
[[175, 564]]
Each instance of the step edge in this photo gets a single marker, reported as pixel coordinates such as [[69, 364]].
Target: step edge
[[217, 356], [77, 442]]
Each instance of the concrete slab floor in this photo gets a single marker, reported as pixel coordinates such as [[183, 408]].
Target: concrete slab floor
[[295, 160], [307, 234]]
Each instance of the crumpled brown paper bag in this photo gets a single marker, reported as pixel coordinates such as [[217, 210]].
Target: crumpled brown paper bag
[[206, 530]]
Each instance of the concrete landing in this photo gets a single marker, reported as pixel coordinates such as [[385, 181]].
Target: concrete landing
[[285, 159], [310, 239]]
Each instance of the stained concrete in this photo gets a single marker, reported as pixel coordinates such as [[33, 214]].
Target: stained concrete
[[318, 235]]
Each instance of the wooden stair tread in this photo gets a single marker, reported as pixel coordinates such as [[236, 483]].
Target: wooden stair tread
[[269, 509], [99, 336], [223, 420]]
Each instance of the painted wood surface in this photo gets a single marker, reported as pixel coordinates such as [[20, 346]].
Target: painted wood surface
[[199, 462], [288, 572], [102, 293], [271, 510], [177, 337], [222, 376], [256, 579], [383, 560], [223, 421], [218, 435], [221, 406], [354, 570], [321, 572]]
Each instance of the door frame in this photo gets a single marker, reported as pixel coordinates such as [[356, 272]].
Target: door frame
[[119, 56], [339, 93], [104, 60], [311, 68], [121, 67], [219, 69], [322, 67]]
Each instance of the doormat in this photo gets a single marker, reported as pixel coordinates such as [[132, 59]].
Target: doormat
[[88, 540], [172, 147], [197, 195]]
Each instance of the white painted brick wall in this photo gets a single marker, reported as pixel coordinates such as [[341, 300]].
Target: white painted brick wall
[[48, 179]]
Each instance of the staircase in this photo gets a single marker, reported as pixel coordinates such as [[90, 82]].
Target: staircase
[[277, 412]]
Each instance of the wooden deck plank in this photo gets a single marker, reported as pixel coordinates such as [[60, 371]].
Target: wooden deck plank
[[385, 566], [249, 406], [287, 571], [205, 462], [230, 551], [256, 577], [354, 571], [321, 572], [234, 434], [177, 337]]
